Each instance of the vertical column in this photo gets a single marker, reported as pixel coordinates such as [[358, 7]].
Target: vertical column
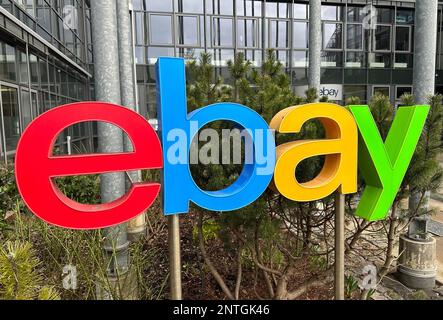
[[136, 227], [315, 44], [425, 52], [110, 138]]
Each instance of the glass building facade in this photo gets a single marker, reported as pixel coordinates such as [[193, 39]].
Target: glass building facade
[[46, 51], [45, 57], [358, 59]]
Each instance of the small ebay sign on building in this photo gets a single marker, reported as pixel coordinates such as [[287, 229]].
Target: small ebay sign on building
[[352, 142]]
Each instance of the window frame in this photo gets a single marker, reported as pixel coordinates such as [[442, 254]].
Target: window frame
[[177, 27], [288, 21], [256, 33], [374, 43], [409, 39], [150, 43], [213, 44]]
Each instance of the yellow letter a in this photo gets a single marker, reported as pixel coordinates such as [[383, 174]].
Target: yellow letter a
[[339, 147]]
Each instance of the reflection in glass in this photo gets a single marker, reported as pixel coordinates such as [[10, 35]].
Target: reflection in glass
[[139, 27], [300, 59], [401, 90], [300, 11], [331, 13], [189, 6], [383, 38], [26, 108], [381, 91], [43, 13], [222, 32], [188, 30], [247, 33], [355, 59], [300, 35], [155, 52], [7, 62], [33, 65], [11, 117], [161, 29], [354, 14], [354, 91], [404, 16], [354, 34], [279, 34], [158, 5], [384, 15], [23, 67], [248, 7], [402, 39], [332, 36], [222, 7]]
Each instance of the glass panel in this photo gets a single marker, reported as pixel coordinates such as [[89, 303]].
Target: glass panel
[[354, 14], [399, 91], [385, 15], [11, 117], [139, 28], [300, 11], [43, 12], [300, 59], [300, 35], [33, 65], [161, 29], [332, 36], [248, 8], [383, 38], [331, 13], [156, 5], [381, 90], [246, 33], [405, 16], [34, 101], [7, 62], [402, 39], [26, 108], [23, 67], [155, 52], [354, 34], [187, 30], [355, 59], [279, 34], [189, 6], [222, 32], [354, 91], [223, 7]]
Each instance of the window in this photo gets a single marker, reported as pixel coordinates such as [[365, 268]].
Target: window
[[222, 32], [300, 35], [385, 15], [354, 36], [401, 90], [332, 13], [381, 90], [23, 67], [332, 36], [139, 28], [162, 5], [354, 91], [247, 33], [155, 52], [11, 117], [300, 59], [160, 29], [26, 107], [404, 16], [43, 12], [355, 59], [300, 11], [277, 10], [249, 8], [193, 6], [7, 62], [354, 14], [382, 37], [279, 34], [223, 7], [402, 39], [188, 30]]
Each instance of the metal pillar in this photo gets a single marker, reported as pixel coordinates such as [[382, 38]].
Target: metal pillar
[[425, 50], [315, 44], [137, 226], [110, 138], [174, 257], [339, 264]]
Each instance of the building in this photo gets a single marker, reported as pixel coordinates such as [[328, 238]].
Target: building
[[46, 52], [45, 58], [358, 59]]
